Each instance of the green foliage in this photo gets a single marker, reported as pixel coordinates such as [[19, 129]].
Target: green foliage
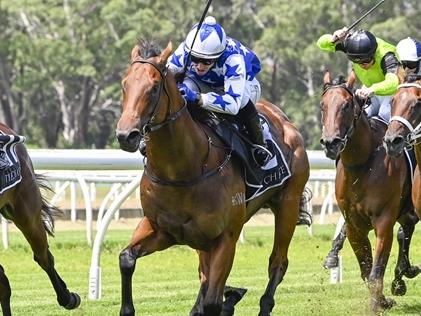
[[62, 61]]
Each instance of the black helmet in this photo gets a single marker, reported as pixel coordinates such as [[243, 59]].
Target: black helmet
[[360, 46]]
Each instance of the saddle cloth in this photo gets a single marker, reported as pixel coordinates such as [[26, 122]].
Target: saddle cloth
[[10, 171], [258, 179]]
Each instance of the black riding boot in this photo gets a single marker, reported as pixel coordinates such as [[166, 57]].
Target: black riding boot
[[260, 153]]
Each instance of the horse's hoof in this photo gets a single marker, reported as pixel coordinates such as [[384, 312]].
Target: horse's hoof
[[398, 287], [382, 304], [412, 272], [331, 262], [74, 301]]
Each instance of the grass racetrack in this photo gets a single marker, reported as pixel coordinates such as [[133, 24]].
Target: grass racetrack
[[166, 283]]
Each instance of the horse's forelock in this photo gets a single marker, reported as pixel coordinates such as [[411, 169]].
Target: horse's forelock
[[148, 49], [339, 80]]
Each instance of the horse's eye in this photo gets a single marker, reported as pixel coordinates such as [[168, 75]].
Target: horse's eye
[[346, 106], [154, 89]]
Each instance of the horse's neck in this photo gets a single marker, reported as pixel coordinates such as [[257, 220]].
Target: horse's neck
[[360, 145], [417, 150], [177, 151]]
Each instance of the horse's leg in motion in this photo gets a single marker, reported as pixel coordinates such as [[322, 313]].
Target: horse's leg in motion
[[232, 296], [285, 210], [403, 265], [35, 233], [203, 272], [5, 293], [384, 238], [145, 241], [213, 278], [362, 249], [332, 258]]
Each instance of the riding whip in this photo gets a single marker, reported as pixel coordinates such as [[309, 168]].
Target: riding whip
[[197, 31], [335, 38]]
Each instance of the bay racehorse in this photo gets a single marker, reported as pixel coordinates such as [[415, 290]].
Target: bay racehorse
[[405, 130], [372, 190], [193, 189], [23, 204]]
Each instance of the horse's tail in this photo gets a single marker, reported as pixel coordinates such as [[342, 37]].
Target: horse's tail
[[305, 217], [48, 211]]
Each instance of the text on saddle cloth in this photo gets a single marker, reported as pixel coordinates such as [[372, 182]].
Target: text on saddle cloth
[[10, 171], [275, 172]]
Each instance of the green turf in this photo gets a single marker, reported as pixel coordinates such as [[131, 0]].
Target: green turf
[[166, 283]]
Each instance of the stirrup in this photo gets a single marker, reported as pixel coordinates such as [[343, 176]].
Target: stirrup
[[256, 146], [255, 149]]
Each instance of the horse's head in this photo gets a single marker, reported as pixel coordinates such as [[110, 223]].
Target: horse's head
[[147, 94], [405, 125], [338, 114]]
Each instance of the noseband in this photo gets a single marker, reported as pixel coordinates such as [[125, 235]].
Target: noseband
[[150, 126], [357, 116], [414, 132]]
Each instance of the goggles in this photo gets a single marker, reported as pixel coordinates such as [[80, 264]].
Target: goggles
[[409, 64], [361, 60], [203, 61]]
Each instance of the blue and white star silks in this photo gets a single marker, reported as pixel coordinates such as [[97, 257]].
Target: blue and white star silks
[[232, 70]]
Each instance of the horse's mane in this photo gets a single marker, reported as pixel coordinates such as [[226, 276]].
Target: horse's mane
[[338, 81], [148, 48]]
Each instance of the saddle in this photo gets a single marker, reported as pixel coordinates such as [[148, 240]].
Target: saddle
[[258, 179], [10, 171]]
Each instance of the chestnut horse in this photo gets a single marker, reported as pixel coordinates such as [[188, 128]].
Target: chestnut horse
[[372, 190], [24, 205], [405, 130], [193, 189]]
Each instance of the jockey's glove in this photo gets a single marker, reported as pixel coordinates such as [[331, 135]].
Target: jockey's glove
[[188, 94]]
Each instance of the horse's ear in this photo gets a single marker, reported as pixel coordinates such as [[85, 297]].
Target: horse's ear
[[351, 79], [135, 53], [165, 53], [326, 77]]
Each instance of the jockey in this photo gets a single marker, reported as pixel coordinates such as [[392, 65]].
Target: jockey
[[221, 77], [374, 62], [409, 53]]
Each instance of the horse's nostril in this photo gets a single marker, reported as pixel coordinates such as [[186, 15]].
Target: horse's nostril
[[397, 140], [133, 135]]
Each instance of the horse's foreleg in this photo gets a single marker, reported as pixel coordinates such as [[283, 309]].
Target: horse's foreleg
[[203, 273], [221, 258], [332, 258], [362, 249], [286, 213], [5, 293], [145, 240], [35, 234], [384, 239]]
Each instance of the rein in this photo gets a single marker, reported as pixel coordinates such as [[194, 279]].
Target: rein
[[414, 132], [150, 126]]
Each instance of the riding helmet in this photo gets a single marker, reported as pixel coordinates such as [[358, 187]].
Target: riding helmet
[[210, 41], [360, 45], [409, 50]]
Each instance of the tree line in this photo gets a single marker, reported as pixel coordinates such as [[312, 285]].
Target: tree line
[[62, 61]]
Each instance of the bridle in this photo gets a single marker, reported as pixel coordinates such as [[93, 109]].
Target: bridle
[[414, 132], [150, 126], [357, 115]]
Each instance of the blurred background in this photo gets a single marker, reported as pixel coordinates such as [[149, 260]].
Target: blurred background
[[62, 61]]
